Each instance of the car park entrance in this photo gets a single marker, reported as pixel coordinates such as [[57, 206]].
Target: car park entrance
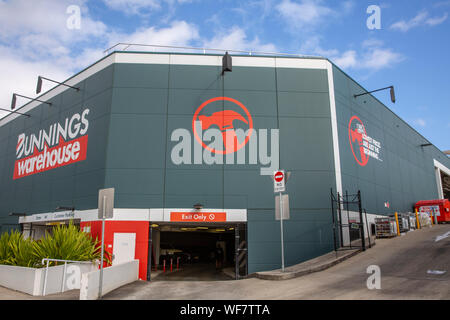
[[198, 251]]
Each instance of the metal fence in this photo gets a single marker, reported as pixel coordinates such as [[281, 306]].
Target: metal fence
[[64, 272], [348, 223]]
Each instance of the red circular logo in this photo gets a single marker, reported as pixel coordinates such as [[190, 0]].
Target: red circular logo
[[224, 121], [356, 131]]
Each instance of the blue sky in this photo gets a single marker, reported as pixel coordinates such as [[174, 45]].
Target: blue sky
[[410, 51]]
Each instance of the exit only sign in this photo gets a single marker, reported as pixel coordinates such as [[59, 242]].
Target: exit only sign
[[198, 216]]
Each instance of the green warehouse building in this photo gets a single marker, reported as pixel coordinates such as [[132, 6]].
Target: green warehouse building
[[190, 143]]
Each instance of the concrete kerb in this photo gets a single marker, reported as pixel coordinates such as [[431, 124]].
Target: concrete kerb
[[304, 268]]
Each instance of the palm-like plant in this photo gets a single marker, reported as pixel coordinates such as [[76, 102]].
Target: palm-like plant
[[67, 243], [17, 251], [64, 243], [23, 252], [5, 249]]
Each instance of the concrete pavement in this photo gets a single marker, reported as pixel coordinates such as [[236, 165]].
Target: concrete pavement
[[194, 272], [314, 265], [8, 294], [404, 262]]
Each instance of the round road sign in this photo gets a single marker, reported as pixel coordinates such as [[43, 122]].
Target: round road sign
[[279, 176]]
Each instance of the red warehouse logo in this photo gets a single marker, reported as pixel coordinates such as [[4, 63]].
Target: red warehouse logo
[[224, 121], [60, 145], [361, 144], [222, 132]]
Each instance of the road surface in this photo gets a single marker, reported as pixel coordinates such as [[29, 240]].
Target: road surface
[[404, 263]]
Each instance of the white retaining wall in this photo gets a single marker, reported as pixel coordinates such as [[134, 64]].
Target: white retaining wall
[[18, 278], [113, 278], [31, 280], [56, 274]]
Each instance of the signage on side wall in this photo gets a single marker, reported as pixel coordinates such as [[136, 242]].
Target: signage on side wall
[[363, 146]]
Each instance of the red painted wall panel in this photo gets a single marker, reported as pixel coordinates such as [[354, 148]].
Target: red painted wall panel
[[111, 227]]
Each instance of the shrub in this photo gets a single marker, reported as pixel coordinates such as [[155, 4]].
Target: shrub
[[64, 243], [5, 249], [17, 251], [67, 243]]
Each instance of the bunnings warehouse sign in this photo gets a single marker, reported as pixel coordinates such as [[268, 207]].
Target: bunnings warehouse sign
[[59, 145]]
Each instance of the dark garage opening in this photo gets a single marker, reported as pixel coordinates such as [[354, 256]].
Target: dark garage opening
[[194, 247]]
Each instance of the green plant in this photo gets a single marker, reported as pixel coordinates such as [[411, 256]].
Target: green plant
[[23, 252], [5, 249], [67, 243], [64, 243], [17, 251]]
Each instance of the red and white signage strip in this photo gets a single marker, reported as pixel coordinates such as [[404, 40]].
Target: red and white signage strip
[[198, 216], [63, 154]]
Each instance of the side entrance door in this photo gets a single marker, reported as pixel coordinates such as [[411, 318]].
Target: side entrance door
[[124, 247]]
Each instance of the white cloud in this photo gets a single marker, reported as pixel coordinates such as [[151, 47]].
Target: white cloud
[[306, 13], [22, 17], [420, 122], [372, 56], [179, 33], [236, 39], [20, 75], [133, 6], [379, 58], [347, 60], [422, 18], [437, 20], [142, 7]]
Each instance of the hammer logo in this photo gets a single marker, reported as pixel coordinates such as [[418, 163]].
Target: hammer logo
[[356, 133], [224, 120]]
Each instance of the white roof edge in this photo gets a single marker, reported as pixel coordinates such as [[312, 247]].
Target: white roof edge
[[174, 59], [442, 167]]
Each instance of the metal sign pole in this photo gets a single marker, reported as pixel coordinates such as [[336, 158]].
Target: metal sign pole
[[282, 235], [237, 242], [103, 248]]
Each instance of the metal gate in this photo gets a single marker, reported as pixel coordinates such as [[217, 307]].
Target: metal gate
[[348, 224], [241, 256]]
